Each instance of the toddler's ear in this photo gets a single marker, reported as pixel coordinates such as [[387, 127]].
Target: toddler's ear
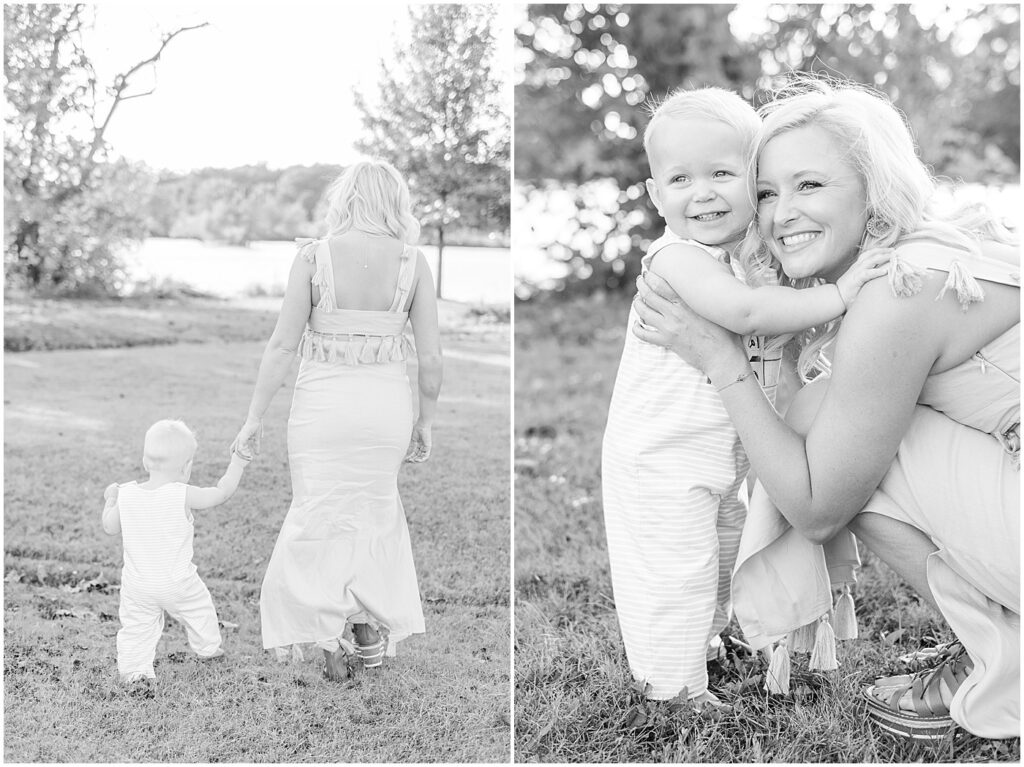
[[652, 190]]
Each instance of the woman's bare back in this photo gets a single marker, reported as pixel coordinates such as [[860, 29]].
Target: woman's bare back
[[365, 271]]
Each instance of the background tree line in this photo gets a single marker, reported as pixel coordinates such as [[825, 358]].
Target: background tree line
[[586, 71], [254, 202], [72, 205]]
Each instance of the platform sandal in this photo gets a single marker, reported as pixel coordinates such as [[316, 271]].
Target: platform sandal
[[930, 719]]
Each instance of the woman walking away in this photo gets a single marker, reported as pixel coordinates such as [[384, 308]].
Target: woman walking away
[[341, 574]]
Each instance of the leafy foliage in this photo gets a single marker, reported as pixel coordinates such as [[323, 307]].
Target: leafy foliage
[[438, 118], [586, 72], [68, 205]]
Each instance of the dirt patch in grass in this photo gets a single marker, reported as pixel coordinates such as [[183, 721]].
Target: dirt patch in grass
[[575, 699]]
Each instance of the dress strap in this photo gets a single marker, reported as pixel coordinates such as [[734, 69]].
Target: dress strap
[[324, 277], [406, 273]]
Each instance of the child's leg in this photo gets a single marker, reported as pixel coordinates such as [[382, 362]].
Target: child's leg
[[193, 608], [142, 623], [667, 602], [732, 513]]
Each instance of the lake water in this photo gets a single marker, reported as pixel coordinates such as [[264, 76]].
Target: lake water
[[471, 275]]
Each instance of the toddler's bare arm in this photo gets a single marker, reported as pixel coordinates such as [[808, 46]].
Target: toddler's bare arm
[[111, 512], [208, 497]]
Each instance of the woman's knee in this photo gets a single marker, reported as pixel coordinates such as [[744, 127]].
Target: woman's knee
[[805, 405]]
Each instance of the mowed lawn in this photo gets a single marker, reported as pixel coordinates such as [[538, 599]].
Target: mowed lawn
[[74, 422], [574, 697]]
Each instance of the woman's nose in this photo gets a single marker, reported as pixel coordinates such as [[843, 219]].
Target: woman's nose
[[783, 210]]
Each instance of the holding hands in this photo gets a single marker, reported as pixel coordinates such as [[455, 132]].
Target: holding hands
[[419, 444], [247, 444]]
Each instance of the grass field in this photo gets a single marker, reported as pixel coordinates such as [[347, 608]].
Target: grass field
[[574, 697], [74, 421]]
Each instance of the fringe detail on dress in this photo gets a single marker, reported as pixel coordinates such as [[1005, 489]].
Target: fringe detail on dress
[[962, 282], [777, 678], [802, 640], [904, 277], [307, 248], [823, 657], [350, 349], [845, 615]]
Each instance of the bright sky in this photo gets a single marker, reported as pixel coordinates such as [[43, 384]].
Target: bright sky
[[262, 83]]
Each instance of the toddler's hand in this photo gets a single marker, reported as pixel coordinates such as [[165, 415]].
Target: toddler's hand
[[419, 444], [872, 263], [110, 494], [247, 443]]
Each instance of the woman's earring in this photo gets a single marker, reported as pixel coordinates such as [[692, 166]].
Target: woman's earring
[[878, 227]]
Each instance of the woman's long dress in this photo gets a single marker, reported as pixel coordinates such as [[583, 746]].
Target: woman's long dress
[[956, 477], [343, 555]]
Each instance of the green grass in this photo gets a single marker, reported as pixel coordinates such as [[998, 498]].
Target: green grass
[[74, 422], [574, 697]]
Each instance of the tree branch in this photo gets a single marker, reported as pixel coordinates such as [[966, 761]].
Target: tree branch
[[120, 85]]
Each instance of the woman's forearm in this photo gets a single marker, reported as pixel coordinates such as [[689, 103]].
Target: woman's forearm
[[274, 366], [776, 452], [430, 372]]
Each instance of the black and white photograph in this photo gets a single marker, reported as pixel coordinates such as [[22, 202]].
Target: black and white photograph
[[767, 383], [257, 383]]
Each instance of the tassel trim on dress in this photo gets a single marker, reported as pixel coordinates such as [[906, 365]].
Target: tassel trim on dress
[[777, 677], [962, 282], [905, 279], [354, 348]]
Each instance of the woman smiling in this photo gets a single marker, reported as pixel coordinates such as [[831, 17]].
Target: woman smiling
[[911, 442]]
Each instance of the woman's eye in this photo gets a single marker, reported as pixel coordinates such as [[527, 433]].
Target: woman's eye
[[809, 185], [764, 194]]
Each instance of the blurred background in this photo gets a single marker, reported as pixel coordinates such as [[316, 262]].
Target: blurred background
[[583, 73], [189, 144]]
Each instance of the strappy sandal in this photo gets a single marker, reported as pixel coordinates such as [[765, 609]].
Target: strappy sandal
[[372, 654], [928, 657], [337, 667], [930, 719]]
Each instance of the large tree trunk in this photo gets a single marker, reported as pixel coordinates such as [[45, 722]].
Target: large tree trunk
[[440, 256]]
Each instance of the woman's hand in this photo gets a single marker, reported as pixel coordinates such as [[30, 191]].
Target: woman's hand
[[419, 444], [247, 443], [666, 320]]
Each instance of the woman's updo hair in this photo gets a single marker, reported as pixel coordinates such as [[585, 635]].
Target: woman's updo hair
[[371, 197], [872, 136]]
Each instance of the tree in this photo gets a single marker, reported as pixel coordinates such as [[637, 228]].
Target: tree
[[581, 105], [68, 205], [586, 72], [439, 119]]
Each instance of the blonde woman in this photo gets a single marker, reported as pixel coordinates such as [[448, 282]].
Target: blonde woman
[[912, 441], [341, 575]]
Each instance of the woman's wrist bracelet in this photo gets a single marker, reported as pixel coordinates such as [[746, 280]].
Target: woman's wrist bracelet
[[738, 379], [841, 299]]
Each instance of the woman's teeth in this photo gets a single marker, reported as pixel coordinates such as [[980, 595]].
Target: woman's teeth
[[799, 239]]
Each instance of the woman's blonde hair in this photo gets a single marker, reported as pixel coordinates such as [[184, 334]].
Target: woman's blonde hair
[[169, 445], [875, 140], [371, 197]]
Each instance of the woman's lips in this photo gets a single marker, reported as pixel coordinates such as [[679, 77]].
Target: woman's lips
[[794, 241]]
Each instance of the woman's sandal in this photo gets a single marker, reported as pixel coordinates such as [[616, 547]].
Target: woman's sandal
[[337, 667], [372, 654], [930, 719], [927, 657]]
